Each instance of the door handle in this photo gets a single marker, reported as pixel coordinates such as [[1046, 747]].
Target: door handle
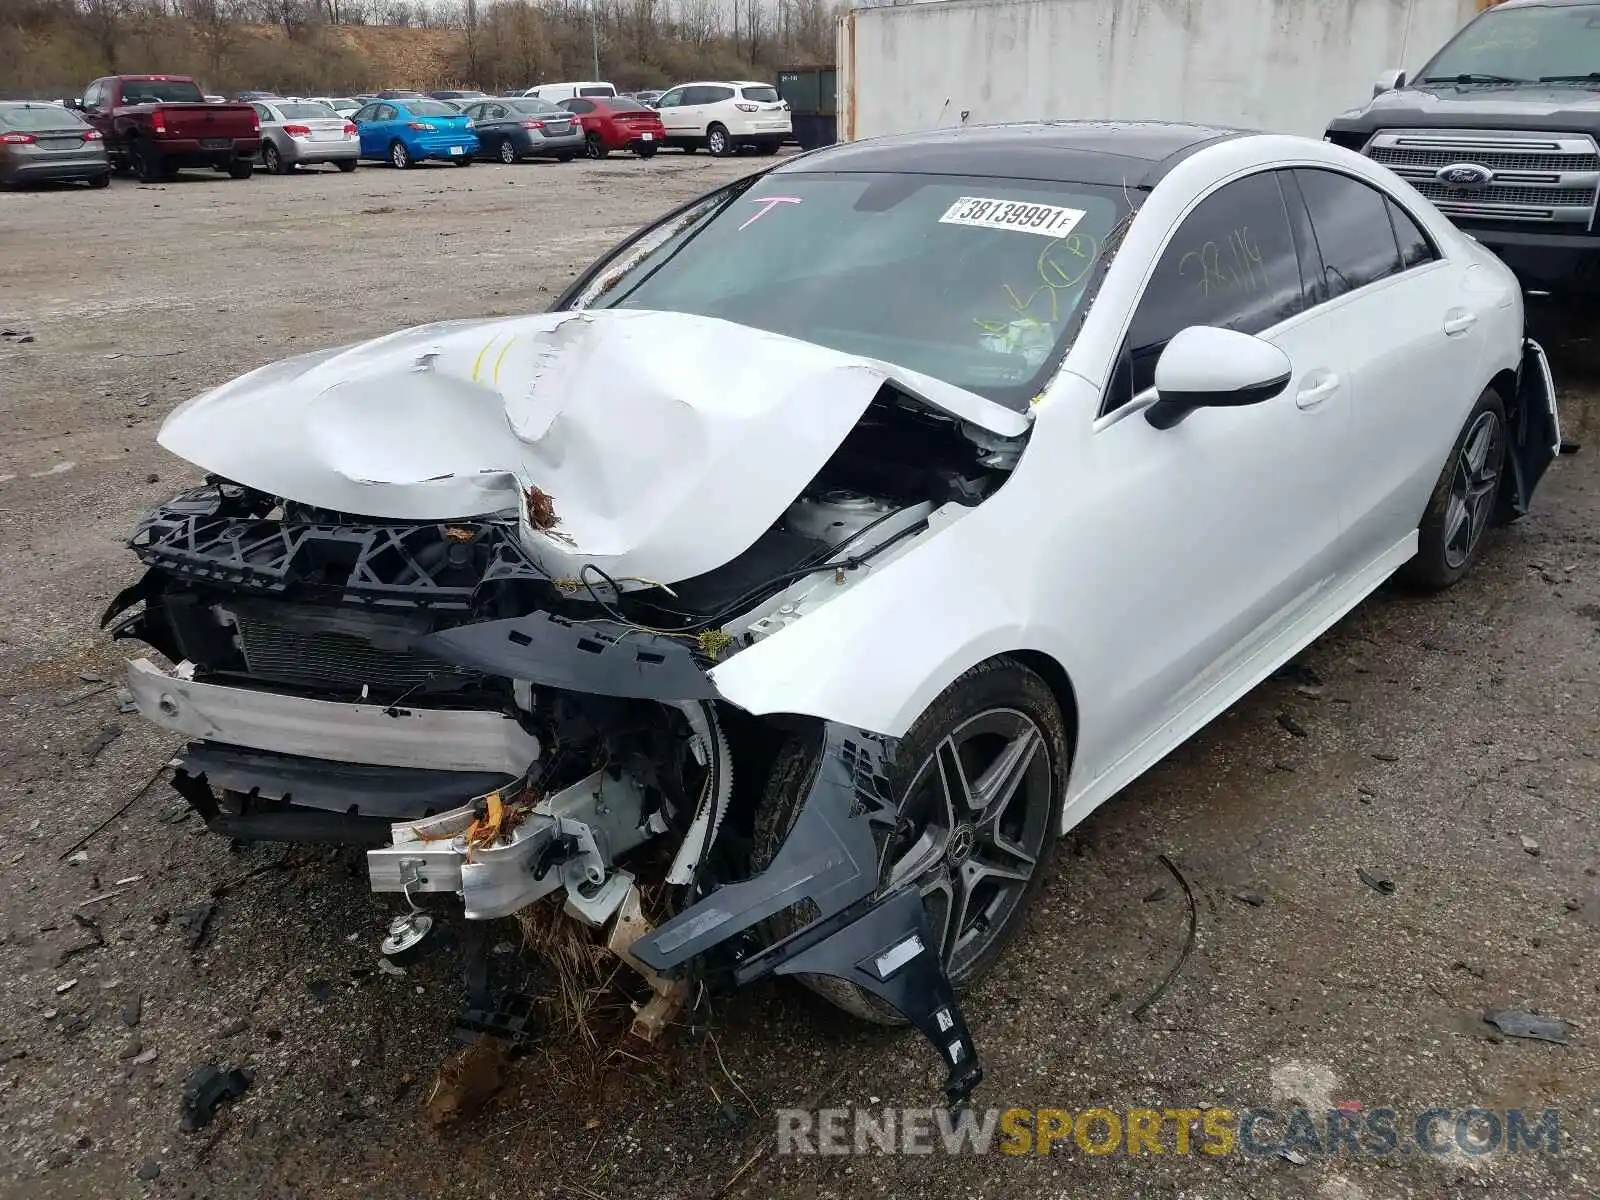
[[1459, 320], [1319, 385]]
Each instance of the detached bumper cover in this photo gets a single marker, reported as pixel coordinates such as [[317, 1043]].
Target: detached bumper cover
[[830, 859]]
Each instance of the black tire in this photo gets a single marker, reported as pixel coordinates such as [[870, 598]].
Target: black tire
[[566, 156], [508, 152], [148, 166], [464, 161], [720, 142], [399, 157], [1463, 502], [644, 150], [347, 165], [688, 146], [594, 147], [241, 168], [1000, 690], [272, 160], [768, 148], [100, 181]]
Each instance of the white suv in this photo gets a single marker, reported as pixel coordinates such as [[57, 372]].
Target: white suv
[[724, 116]]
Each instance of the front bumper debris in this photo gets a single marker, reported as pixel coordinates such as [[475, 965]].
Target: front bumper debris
[[880, 943], [372, 734]]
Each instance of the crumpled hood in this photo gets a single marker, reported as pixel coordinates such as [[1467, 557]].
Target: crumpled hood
[[667, 442]]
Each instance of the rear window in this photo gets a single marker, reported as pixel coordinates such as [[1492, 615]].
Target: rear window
[[431, 108], [39, 116], [306, 110], [538, 107], [624, 107], [161, 91], [761, 95], [601, 90]]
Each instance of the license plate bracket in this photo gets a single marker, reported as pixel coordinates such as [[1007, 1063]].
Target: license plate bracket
[[216, 143]]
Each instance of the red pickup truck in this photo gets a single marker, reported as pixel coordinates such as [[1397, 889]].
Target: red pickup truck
[[155, 124]]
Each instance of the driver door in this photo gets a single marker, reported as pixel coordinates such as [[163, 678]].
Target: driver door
[[1215, 536]]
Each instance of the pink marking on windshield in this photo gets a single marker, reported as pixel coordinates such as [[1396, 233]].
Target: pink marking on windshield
[[771, 203]]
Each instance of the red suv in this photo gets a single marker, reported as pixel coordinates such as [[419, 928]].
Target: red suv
[[611, 123]]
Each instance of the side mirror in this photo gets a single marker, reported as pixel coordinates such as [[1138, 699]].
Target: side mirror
[[1205, 367], [1388, 82]]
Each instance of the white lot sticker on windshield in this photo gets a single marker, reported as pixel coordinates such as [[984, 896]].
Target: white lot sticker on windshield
[[1049, 219]]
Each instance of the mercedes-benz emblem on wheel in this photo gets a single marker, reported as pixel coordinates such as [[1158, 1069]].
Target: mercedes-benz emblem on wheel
[[1464, 175]]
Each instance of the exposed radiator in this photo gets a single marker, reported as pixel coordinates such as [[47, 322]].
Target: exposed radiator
[[340, 661]]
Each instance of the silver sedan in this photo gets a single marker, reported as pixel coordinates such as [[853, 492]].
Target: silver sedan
[[297, 133]]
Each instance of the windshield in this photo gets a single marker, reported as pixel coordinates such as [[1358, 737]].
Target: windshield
[[38, 116], [1519, 45], [976, 281], [146, 91], [431, 108], [306, 110]]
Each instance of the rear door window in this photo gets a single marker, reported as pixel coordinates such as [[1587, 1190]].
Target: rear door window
[[1353, 231], [716, 95], [1415, 246]]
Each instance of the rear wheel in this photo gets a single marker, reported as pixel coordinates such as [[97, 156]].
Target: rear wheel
[[566, 156], [347, 164], [768, 147], [979, 782], [100, 181], [719, 142], [464, 161], [400, 156], [241, 168], [1463, 502], [148, 166], [645, 150], [508, 152], [594, 147], [272, 160]]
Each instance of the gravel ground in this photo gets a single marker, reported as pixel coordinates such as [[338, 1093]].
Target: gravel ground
[[1446, 741]]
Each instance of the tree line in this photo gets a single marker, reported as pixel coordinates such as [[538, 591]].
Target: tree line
[[51, 48]]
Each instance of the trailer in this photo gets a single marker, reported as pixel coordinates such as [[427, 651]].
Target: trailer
[[1259, 64]]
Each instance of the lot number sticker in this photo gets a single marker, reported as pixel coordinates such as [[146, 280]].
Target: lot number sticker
[[1049, 219]]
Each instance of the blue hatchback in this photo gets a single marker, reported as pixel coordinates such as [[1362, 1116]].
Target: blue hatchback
[[405, 132]]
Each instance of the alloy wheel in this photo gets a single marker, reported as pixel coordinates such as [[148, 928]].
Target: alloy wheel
[[717, 142], [972, 829], [1474, 488], [399, 156], [508, 152]]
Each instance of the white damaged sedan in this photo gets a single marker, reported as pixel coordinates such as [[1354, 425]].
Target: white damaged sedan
[[834, 544]]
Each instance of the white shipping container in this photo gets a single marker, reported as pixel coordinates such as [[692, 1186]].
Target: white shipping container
[[1286, 65]]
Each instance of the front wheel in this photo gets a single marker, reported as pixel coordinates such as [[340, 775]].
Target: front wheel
[[594, 147], [400, 156], [979, 782], [1463, 502], [719, 142]]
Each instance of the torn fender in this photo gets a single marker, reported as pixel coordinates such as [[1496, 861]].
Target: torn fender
[[669, 442], [830, 862]]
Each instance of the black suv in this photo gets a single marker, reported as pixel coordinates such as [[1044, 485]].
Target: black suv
[[1500, 131]]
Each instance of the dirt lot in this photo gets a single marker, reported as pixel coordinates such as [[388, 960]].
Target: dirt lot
[[1442, 734]]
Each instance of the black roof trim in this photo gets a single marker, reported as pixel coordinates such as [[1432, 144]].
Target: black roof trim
[[1131, 153]]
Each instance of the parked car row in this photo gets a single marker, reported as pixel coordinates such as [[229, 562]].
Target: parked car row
[[151, 126]]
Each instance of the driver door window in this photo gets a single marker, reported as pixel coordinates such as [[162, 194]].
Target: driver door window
[[1232, 264]]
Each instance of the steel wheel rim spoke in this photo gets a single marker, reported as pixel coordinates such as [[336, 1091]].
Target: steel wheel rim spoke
[[1473, 488], [971, 829]]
